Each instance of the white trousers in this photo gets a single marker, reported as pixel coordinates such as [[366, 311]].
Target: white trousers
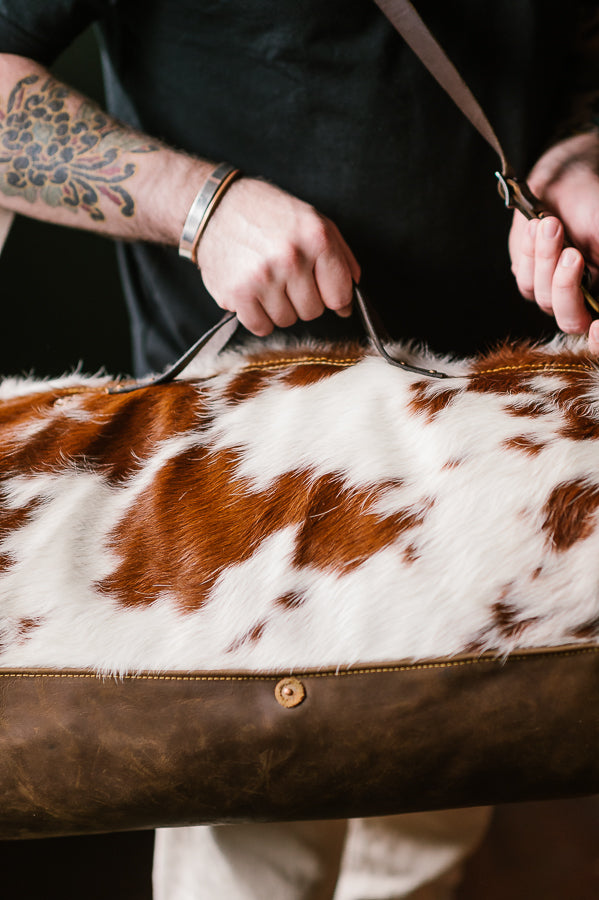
[[416, 856]]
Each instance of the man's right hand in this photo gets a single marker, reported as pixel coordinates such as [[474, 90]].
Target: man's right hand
[[273, 259]]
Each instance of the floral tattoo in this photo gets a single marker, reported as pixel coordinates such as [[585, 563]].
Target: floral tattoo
[[65, 159]]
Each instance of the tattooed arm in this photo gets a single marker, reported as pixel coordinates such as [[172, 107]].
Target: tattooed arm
[[64, 160], [266, 255]]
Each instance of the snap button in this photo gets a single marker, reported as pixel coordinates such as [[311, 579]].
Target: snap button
[[289, 692]]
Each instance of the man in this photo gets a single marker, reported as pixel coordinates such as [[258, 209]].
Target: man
[[355, 166]]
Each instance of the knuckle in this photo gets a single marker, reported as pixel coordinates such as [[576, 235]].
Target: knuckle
[[317, 234], [572, 324], [526, 289], [342, 297], [309, 315], [237, 296], [260, 330], [338, 302], [287, 257], [285, 319], [544, 300], [258, 324], [259, 277]]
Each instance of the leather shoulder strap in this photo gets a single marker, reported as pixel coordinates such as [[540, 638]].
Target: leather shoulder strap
[[419, 38]]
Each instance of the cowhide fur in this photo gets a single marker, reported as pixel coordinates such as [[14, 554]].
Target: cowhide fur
[[299, 506]]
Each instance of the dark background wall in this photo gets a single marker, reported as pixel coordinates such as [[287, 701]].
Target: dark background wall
[[61, 298]]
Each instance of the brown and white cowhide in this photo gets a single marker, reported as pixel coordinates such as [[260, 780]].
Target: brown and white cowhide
[[301, 506]]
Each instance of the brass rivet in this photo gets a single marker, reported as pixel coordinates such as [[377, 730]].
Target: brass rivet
[[289, 692]]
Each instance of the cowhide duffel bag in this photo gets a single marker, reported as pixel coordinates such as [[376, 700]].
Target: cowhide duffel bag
[[298, 583]]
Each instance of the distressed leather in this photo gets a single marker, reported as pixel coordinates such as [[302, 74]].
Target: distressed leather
[[81, 753]]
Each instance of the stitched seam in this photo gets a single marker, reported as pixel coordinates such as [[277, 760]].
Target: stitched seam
[[536, 367], [350, 361], [302, 361], [366, 670]]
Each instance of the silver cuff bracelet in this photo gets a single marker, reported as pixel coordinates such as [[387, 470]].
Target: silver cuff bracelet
[[203, 206]]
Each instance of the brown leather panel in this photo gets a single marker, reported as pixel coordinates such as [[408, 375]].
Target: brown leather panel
[[83, 754]]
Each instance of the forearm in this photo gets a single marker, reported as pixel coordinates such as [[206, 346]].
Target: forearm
[[64, 160], [266, 255]]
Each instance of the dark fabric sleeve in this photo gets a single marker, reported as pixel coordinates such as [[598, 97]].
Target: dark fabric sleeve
[[42, 29]]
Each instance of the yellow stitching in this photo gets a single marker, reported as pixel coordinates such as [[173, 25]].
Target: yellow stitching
[[80, 389], [544, 367], [301, 360], [350, 361], [275, 676], [345, 362]]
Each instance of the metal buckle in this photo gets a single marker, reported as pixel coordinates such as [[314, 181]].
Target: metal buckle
[[516, 194]]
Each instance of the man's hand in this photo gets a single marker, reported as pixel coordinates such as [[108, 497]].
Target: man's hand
[[566, 179], [272, 258], [265, 254]]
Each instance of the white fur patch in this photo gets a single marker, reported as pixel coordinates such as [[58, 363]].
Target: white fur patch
[[380, 516]]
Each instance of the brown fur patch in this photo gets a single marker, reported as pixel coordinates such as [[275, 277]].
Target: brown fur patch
[[294, 367], [569, 513], [291, 600], [10, 521], [246, 384], [410, 554], [506, 620], [525, 444], [429, 400], [476, 646], [115, 433], [199, 517], [581, 418], [251, 637], [505, 625], [588, 631], [305, 375], [338, 519], [26, 626], [531, 409], [524, 355], [453, 464], [510, 368]]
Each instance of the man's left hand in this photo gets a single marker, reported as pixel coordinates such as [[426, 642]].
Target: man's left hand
[[566, 179]]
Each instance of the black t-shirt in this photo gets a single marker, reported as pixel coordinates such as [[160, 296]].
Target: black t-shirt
[[325, 100]]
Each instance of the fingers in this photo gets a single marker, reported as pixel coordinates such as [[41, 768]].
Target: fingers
[[547, 272], [253, 317], [549, 238], [568, 303], [594, 337], [273, 259], [523, 236], [335, 272]]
